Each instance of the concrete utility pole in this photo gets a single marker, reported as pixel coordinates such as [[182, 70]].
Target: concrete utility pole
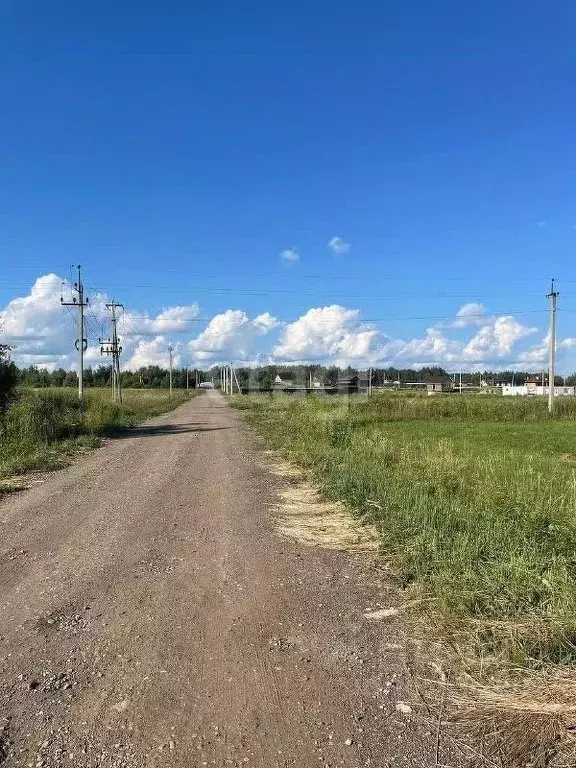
[[237, 383], [370, 382], [170, 351], [112, 347], [81, 341], [552, 346], [187, 378]]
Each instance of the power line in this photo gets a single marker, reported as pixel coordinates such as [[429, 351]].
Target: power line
[[292, 275], [316, 294], [472, 296], [452, 318]]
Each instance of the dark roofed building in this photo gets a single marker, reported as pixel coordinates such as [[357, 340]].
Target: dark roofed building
[[439, 384]]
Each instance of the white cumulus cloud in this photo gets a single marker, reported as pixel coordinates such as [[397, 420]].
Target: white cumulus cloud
[[496, 339], [429, 349], [230, 335], [43, 332], [470, 314], [170, 320], [327, 333], [290, 254], [338, 246], [153, 352]]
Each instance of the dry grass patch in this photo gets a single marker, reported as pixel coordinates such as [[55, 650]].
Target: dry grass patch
[[303, 515], [528, 722]]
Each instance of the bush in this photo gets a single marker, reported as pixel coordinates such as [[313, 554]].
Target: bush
[[8, 378], [44, 416]]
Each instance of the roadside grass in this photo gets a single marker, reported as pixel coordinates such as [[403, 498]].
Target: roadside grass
[[44, 428], [474, 500]]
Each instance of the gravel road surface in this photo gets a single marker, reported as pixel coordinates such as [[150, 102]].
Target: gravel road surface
[[150, 615]]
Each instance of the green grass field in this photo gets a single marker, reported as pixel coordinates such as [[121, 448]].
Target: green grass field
[[474, 499], [43, 428]]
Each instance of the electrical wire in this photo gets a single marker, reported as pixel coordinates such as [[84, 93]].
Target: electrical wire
[[192, 288], [314, 294], [71, 319], [293, 275], [451, 318]]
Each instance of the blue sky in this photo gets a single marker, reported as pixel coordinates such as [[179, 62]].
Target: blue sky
[[178, 149]]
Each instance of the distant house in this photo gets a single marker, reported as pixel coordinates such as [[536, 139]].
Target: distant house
[[439, 384], [533, 383], [280, 383], [348, 385]]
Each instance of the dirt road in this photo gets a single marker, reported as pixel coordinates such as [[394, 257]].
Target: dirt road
[[151, 616]]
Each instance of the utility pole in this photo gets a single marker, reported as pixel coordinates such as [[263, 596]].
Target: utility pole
[[81, 341], [187, 378], [112, 347], [170, 351], [370, 382], [552, 346], [237, 383]]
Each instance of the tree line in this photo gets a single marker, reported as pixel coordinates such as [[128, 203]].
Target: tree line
[[259, 377]]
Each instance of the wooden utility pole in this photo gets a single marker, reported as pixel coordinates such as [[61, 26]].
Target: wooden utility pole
[[552, 347], [81, 341]]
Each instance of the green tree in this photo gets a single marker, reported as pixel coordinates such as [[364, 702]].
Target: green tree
[[8, 376], [70, 380]]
